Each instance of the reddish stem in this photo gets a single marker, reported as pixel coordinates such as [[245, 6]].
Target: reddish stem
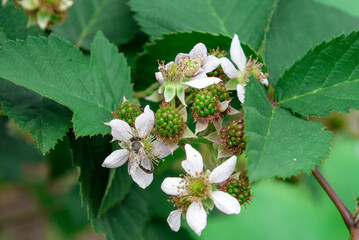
[[343, 210]]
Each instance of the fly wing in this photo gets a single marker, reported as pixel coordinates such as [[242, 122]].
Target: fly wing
[[144, 162]]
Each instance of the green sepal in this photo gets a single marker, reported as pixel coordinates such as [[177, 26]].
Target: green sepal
[[170, 92], [232, 84], [181, 93], [209, 204]]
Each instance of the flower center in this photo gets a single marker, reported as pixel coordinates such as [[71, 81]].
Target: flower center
[[172, 73], [197, 187], [190, 65]]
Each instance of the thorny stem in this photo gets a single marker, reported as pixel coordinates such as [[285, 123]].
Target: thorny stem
[[146, 92], [343, 210]]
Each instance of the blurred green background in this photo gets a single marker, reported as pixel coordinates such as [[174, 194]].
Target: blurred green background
[[39, 195]]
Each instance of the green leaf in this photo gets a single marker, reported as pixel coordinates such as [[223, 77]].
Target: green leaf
[[247, 18], [60, 159], [126, 220], [56, 69], [86, 18], [46, 120], [13, 23], [326, 79], [280, 144], [169, 46], [88, 155], [15, 150], [296, 26], [118, 186]]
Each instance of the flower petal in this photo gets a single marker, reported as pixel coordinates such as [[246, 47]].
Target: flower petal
[[237, 54], [203, 82], [174, 220], [199, 75], [181, 56], [223, 171], [144, 123], [225, 202], [196, 217], [194, 162], [199, 50], [159, 77], [228, 68], [160, 149], [210, 63], [173, 186], [240, 92], [120, 130], [265, 82], [116, 159], [140, 177]]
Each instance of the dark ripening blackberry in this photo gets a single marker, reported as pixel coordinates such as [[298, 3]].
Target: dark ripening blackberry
[[169, 124], [205, 105], [128, 112], [233, 139], [240, 189]]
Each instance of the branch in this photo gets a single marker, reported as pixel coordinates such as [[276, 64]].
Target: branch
[[343, 210]]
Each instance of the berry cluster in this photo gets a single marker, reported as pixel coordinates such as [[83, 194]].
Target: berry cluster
[[206, 100], [240, 189], [233, 139], [169, 123], [128, 112]]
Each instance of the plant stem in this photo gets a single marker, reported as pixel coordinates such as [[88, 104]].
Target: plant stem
[[343, 210], [146, 92]]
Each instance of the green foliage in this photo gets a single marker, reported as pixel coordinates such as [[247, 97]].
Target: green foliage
[[55, 69], [280, 144], [326, 79], [247, 18], [277, 202], [118, 186], [13, 23], [296, 26], [14, 151], [88, 155], [126, 220], [60, 159], [46, 120], [85, 18], [169, 46]]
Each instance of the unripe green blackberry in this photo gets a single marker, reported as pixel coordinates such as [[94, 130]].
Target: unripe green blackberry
[[169, 123], [233, 139], [128, 112], [206, 101], [240, 189]]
